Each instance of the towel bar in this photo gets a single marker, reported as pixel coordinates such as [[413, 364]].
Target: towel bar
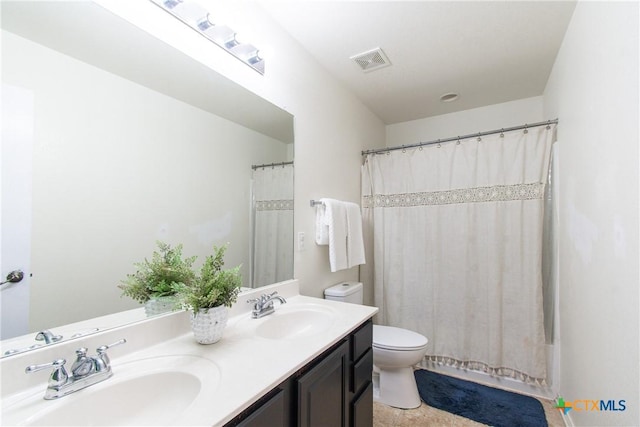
[[316, 203]]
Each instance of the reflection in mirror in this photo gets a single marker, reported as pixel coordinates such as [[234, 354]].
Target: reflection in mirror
[[273, 219], [128, 141]]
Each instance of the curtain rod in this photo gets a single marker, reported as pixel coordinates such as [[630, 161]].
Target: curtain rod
[[457, 138], [266, 165]]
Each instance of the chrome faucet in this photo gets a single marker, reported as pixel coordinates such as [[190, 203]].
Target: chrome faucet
[[83, 365], [85, 371], [48, 337], [263, 305]]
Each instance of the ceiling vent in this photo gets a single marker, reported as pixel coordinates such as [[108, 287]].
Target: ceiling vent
[[371, 60]]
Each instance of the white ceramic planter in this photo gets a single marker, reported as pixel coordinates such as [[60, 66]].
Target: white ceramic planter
[[208, 326], [159, 305]]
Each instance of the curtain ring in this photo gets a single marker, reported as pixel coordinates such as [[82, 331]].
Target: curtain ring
[[525, 129], [458, 141], [404, 150], [439, 145], [502, 133], [548, 124], [479, 139], [420, 148]]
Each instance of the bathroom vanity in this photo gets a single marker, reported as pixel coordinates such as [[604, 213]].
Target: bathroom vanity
[[309, 363], [334, 389]]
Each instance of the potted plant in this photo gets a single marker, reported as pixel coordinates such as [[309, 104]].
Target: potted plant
[[209, 295], [154, 283]]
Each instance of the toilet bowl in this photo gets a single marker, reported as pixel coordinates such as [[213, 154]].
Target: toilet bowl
[[395, 352]]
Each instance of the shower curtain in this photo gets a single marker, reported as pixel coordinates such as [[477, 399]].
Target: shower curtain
[[273, 225], [455, 231]]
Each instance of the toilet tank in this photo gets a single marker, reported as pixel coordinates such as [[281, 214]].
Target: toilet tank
[[346, 292]]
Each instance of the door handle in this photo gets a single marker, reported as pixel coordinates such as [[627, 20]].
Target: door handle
[[13, 277]]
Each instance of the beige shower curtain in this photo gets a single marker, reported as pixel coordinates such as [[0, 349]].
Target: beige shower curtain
[[455, 235]]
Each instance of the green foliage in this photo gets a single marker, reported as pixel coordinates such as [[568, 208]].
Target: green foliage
[[213, 287], [159, 277]]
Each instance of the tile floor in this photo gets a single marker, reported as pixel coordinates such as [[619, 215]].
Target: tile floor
[[386, 416]]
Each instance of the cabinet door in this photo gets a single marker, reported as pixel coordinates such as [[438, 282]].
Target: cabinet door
[[323, 391], [272, 413], [362, 408]]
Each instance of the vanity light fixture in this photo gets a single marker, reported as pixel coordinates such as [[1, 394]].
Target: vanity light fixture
[[199, 19]]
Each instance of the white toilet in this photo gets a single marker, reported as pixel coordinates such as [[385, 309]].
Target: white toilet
[[395, 352]]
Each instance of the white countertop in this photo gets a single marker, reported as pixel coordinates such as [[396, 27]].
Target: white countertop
[[241, 367]]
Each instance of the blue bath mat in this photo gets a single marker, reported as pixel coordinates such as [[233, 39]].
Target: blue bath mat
[[480, 403]]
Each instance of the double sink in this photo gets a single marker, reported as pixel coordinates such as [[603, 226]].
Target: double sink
[[172, 384]]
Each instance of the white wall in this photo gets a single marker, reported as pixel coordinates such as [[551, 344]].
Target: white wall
[[118, 166], [332, 127], [593, 89], [466, 122]]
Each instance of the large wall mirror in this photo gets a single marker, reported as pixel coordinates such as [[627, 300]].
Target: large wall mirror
[[112, 141]]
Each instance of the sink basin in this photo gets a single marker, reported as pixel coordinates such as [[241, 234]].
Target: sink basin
[[152, 391], [295, 322]]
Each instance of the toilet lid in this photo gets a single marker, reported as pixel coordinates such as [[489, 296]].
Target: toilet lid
[[392, 338]]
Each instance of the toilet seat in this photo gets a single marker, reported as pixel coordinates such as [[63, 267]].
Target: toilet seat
[[397, 339]]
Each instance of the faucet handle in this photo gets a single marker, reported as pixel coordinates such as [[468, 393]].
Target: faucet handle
[[268, 298], [59, 375], [102, 361], [35, 368], [103, 348]]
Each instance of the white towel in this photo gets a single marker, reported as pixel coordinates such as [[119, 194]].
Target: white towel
[[335, 217], [343, 223], [355, 241], [322, 229]]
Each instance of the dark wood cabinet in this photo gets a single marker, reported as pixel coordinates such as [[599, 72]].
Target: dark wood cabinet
[[269, 412], [323, 391], [334, 390], [362, 408], [361, 389]]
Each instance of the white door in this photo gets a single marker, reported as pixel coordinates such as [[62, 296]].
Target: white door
[[15, 207]]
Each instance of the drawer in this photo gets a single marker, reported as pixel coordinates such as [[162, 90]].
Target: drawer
[[361, 340], [362, 371]]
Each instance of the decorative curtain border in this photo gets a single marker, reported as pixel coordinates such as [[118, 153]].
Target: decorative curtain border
[[274, 205], [472, 365], [496, 193]]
